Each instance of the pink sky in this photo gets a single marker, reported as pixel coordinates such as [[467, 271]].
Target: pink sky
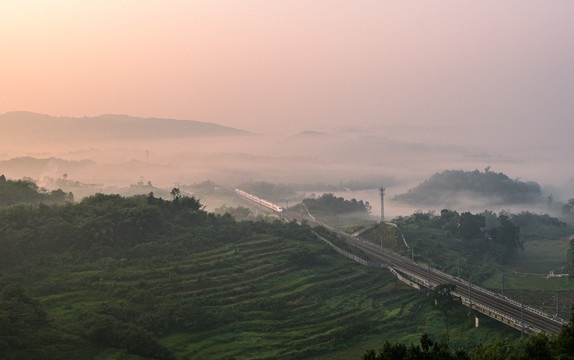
[[272, 66]]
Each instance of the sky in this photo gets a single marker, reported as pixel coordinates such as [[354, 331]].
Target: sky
[[503, 69]]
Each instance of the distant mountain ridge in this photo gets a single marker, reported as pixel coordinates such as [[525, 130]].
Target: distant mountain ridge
[[33, 126]]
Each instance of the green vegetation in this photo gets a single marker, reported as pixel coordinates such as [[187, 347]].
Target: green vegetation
[[447, 186], [239, 213], [389, 235], [570, 254], [461, 233], [143, 277], [534, 348], [26, 191], [332, 205], [346, 215], [496, 237], [339, 242], [537, 226], [460, 244], [445, 302]]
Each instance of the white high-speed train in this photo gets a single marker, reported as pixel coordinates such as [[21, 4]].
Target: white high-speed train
[[259, 201]]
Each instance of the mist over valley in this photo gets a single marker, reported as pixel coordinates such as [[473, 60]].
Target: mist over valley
[[152, 151]]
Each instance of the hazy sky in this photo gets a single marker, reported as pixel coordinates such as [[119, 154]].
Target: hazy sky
[[271, 66]]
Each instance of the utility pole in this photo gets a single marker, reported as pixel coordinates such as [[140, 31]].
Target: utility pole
[[428, 267], [557, 304], [458, 267], [412, 253], [470, 295], [382, 193], [522, 319], [502, 284]]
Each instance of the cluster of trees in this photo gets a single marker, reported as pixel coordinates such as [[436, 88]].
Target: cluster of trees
[[26, 191], [500, 240], [109, 226], [20, 317], [442, 187], [239, 213], [540, 347], [570, 255], [427, 350], [330, 204], [539, 226]]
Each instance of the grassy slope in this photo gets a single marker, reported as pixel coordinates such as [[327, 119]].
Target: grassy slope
[[336, 308], [278, 307]]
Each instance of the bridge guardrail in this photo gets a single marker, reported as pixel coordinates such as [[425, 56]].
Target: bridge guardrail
[[519, 324]]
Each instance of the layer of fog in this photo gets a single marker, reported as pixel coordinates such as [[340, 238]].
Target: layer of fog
[[393, 208], [398, 158]]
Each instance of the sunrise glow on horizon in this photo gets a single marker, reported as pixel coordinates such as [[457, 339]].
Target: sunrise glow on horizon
[[288, 66]]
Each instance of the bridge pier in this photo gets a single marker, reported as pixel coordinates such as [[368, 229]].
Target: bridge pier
[[481, 319]]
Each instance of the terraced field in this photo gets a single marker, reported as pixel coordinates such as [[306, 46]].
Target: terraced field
[[261, 296]]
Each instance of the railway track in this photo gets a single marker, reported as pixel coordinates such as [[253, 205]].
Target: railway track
[[515, 314], [501, 308]]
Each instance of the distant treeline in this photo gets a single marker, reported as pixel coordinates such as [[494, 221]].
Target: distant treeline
[[442, 187], [26, 191]]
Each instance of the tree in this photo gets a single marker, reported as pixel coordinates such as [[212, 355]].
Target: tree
[[175, 194], [239, 213], [507, 237], [564, 342], [471, 225], [445, 301], [427, 350], [537, 349], [570, 255], [330, 204], [20, 316]]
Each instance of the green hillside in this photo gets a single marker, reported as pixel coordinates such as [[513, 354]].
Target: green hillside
[[142, 277]]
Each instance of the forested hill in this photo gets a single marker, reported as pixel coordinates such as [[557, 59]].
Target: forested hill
[[38, 127], [329, 203], [451, 185], [145, 278]]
